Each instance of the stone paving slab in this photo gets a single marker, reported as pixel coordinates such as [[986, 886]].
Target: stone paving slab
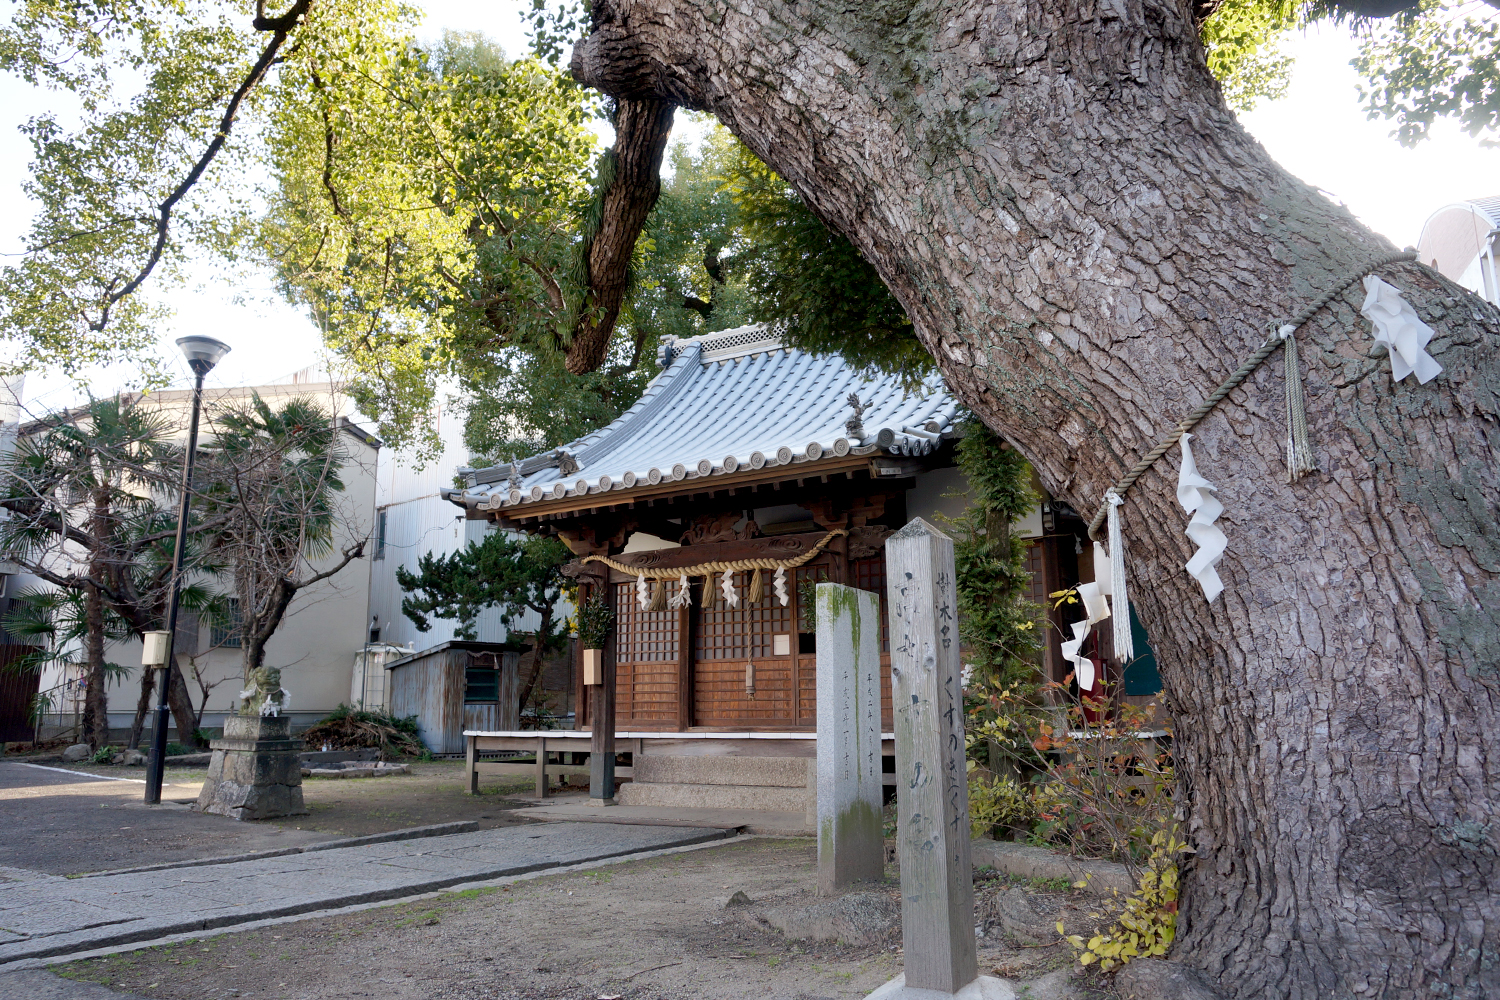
[[48, 916]]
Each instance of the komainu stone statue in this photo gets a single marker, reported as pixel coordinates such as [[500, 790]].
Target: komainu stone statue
[[256, 770], [265, 696]]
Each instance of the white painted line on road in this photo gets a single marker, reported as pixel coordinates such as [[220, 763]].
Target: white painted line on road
[[96, 777]]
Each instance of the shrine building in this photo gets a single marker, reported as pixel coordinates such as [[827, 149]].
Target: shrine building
[[747, 472]]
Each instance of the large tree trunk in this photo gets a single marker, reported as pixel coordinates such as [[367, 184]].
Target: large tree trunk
[[1088, 243], [634, 181], [95, 697]]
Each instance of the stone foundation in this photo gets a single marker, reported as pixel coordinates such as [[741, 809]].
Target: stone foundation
[[256, 770]]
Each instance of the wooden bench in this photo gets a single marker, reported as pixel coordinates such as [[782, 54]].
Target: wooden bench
[[542, 744]]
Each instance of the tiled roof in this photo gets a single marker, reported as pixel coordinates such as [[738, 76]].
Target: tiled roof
[[726, 402]]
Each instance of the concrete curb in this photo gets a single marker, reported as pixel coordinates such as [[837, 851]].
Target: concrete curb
[[1027, 861], [82, 940], [410, 833]]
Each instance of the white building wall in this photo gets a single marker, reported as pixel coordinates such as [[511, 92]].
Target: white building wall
[[419, 521]]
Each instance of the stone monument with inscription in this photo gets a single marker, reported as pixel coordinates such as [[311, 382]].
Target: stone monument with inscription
[[851, 847], [932, 824]]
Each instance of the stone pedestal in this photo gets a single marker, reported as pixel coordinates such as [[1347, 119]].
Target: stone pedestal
[[850, 843], [982, 988], [255, 772], [937, 874]]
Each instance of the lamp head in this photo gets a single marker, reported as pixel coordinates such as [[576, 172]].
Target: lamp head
[[202, 352]]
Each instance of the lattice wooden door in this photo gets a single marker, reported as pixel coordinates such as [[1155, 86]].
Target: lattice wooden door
[[726, 641], [646, 663]]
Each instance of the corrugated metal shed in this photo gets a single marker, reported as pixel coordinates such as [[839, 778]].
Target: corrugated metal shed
[[726, 402], [432, 685]]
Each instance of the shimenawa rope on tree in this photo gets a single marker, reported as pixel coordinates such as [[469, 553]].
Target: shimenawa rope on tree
[[1300, 460]]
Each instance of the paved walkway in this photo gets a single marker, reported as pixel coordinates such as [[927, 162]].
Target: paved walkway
[[45, 915], [576, 808]]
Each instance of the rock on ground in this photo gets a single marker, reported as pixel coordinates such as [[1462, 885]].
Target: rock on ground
[[1158, 979], [76, 753], [862, 918]]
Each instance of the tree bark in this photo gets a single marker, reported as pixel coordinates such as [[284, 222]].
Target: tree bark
[[1088, 243], [641, 130], [95, 698], [181, 703]]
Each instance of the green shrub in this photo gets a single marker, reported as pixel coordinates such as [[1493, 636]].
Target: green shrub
[[998, 801], [596, 621]]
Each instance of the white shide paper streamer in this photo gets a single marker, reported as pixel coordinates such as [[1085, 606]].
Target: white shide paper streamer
[[1196, 495], [1399, 331], [1124, 643], [726, 587], [1083, 667]]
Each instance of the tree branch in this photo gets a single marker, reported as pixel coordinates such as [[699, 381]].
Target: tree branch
[[280, 26]]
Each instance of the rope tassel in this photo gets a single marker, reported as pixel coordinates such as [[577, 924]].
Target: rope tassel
[[1299, 456], [1124, 644], [659, 596], [757, 588]]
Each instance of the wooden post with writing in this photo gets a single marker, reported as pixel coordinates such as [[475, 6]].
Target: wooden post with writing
[[937, 874], [850, 845]]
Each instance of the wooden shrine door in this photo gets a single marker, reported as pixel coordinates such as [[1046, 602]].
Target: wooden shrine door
[[780, 642], [648, 668], [746, 665]]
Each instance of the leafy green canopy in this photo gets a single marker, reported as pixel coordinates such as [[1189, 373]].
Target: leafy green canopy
[[425, 209], [147, 178]]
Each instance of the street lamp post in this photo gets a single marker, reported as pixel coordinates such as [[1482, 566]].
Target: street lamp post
[[202, 354]]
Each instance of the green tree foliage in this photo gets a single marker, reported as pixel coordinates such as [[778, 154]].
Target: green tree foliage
[[1242, 39], [515, 574], [811, 282], [998, 621], [1437, 60], [518, 575], [88, 495], [426, 210], [146, 178]]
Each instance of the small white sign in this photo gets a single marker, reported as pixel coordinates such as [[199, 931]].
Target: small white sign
[[781, 645]]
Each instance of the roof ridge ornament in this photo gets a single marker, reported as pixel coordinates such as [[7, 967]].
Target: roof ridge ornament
[[567, 464], [514, 481], [855, 425]]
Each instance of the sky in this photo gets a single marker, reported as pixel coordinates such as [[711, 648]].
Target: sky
[[1317, 131]]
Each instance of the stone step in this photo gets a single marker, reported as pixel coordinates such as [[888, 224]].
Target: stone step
[[773, 772], [679, 795]]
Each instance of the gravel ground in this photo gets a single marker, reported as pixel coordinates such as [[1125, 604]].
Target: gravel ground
[[654, 929]]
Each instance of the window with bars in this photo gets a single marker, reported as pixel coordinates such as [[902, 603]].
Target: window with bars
[[743, 633], [869, 574], [644, 636], [229, 627]]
